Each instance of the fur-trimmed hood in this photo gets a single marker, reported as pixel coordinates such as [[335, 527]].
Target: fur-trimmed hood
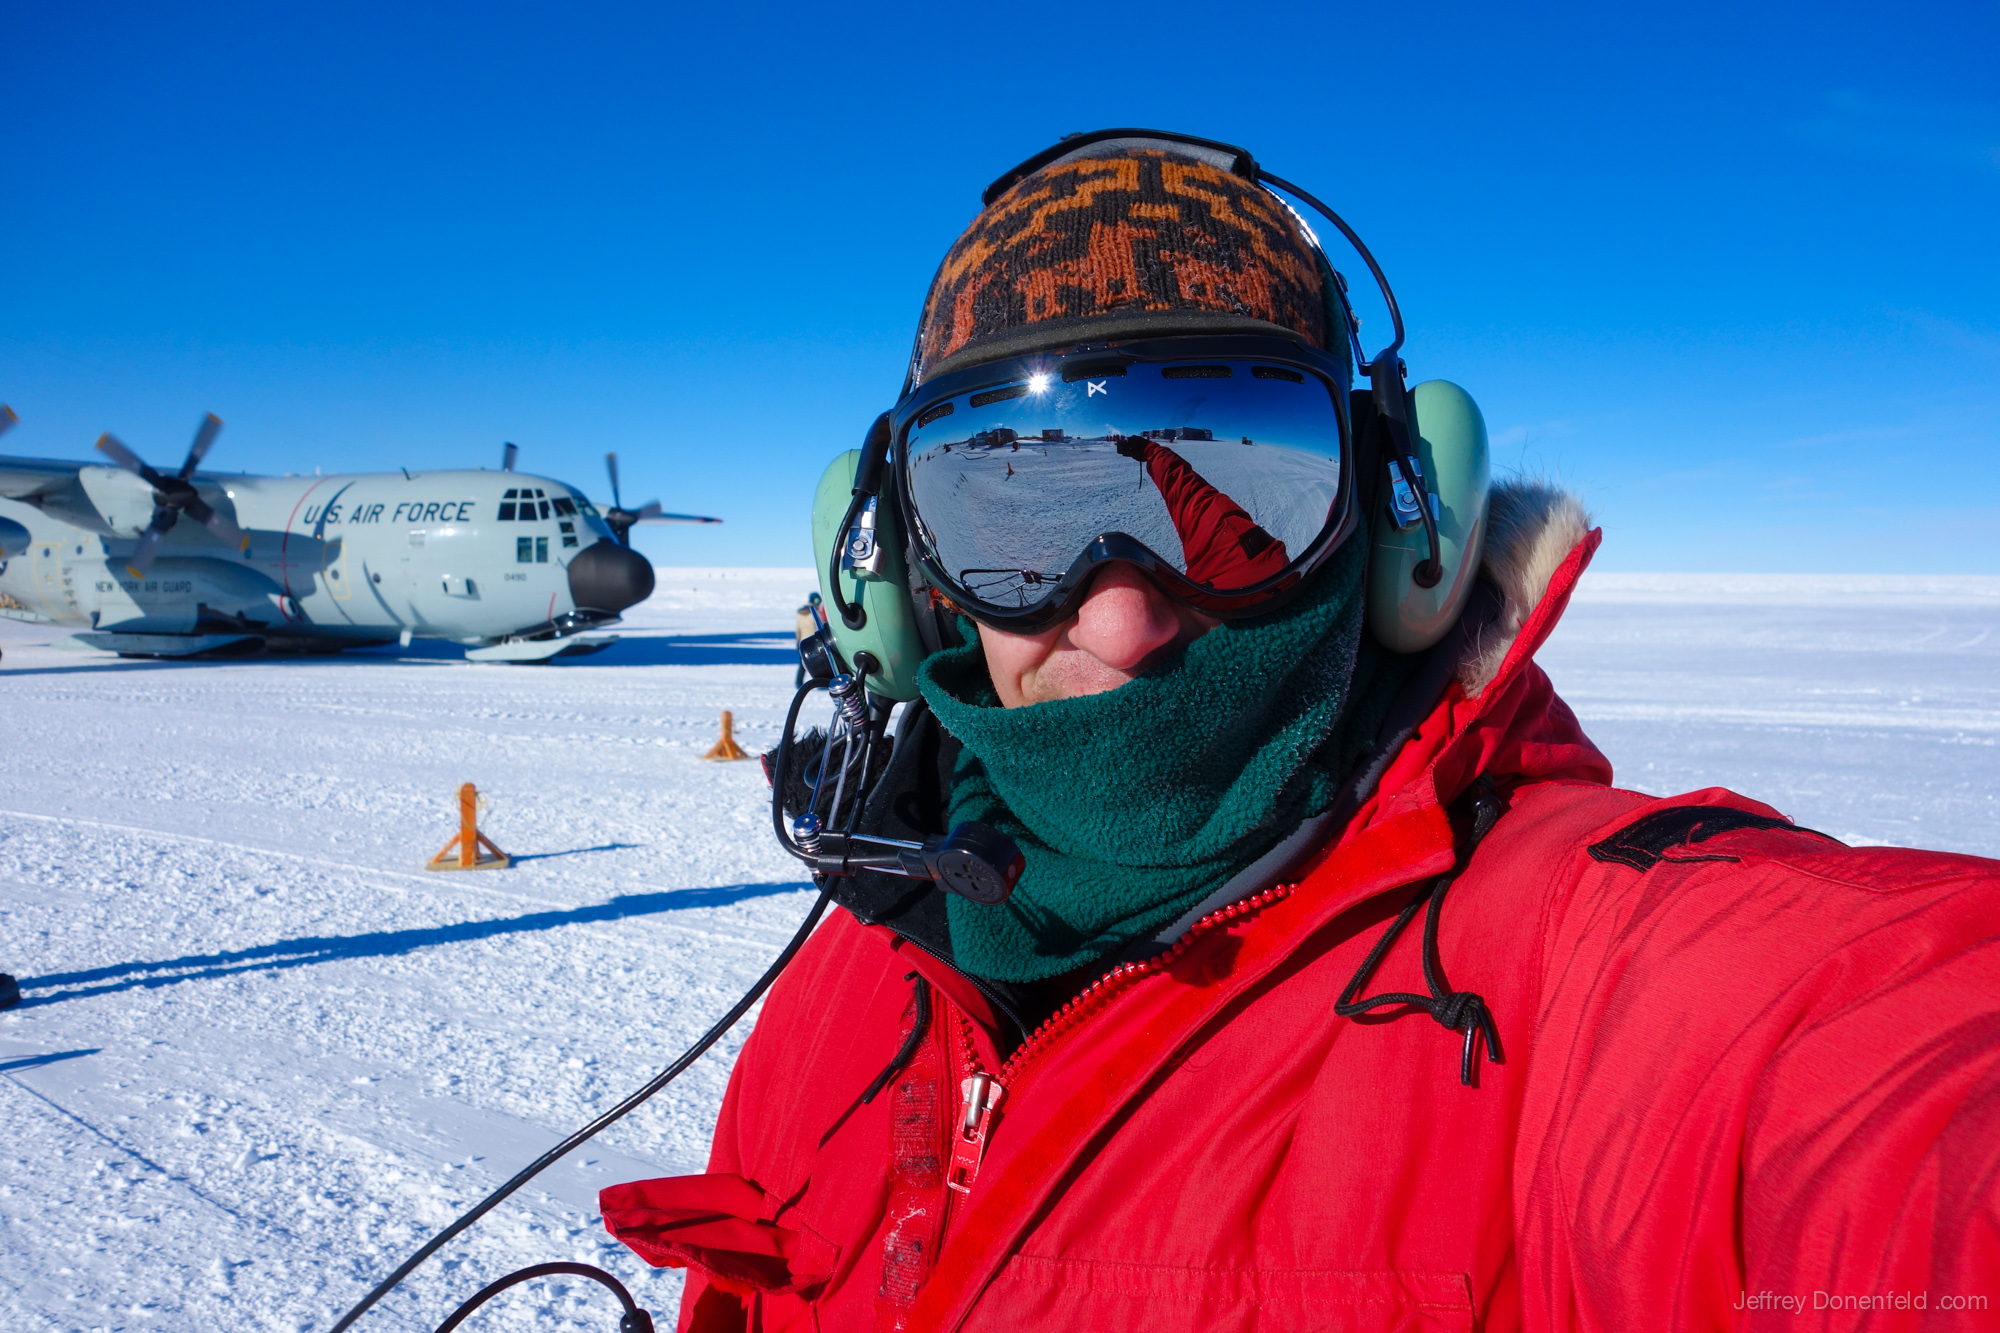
[[1531, 528]]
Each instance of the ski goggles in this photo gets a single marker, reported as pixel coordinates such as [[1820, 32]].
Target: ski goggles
[[1220, 467]]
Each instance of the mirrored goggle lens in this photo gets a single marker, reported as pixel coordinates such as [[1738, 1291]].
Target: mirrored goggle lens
[[1226, 470]]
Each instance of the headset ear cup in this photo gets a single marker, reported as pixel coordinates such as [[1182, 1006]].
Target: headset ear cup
[[888, 635], [1451, 444]]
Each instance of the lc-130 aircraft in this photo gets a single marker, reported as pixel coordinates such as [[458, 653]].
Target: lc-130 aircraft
[[517, 568]]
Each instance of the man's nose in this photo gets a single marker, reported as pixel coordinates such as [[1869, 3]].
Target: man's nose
[[1124, 620]]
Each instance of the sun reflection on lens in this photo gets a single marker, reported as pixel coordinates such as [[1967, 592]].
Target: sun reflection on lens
[[1038, 384]]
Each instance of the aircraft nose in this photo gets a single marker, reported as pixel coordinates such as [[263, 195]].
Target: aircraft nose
[[608, 577]]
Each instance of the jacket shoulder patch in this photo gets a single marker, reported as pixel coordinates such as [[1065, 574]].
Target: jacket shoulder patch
[[1649, 840]]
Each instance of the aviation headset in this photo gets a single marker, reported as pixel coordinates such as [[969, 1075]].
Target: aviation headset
[[1399, 444]]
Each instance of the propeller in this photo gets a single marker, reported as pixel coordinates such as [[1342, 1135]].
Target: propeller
[[508, 453], [7, 419], [620, 519], [174, 495]]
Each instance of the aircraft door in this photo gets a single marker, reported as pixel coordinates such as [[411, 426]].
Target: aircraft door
[[55, 583]]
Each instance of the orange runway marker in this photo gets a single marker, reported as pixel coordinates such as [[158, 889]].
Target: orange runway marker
[[463, 851], [727, 748]]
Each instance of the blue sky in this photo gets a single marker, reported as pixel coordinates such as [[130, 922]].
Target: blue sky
[[1728, 271]]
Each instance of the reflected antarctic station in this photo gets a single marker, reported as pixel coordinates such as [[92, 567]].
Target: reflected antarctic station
[[1225, 469]]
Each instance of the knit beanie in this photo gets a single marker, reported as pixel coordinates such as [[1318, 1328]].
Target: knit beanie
[[1121, 239]]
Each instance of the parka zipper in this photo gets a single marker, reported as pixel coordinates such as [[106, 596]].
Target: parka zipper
[[980, 1094]]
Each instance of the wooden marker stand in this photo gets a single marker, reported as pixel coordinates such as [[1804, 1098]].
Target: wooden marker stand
[[727, 748], [469, 840]]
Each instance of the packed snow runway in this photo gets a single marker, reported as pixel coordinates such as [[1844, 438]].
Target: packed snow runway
[[262, 1054]]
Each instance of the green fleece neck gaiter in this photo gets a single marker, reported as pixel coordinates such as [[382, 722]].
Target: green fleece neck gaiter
[[1133, 805]]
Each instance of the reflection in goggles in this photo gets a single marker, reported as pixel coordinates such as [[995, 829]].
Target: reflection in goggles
[[1221, 545], [1225, 472], [1004, 586]]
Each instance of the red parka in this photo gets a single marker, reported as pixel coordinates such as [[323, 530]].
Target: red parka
[[1750, 1078]]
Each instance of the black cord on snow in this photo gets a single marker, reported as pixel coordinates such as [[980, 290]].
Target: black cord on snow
[[634, 1320], [589, 1131]]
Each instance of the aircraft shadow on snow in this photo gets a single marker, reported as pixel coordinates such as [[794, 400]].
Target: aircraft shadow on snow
[[749, 648], [756, 648], [419, 650], [752, 648], [312, 949]]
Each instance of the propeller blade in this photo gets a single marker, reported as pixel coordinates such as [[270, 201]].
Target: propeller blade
[[611, 466], [204, 436], [125, 458], [216, 522], [7, 419], [658, 517], [649, 510], [508, 453], [149, 542]]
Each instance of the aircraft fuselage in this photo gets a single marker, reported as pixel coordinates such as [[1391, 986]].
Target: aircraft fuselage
[[473, 556]]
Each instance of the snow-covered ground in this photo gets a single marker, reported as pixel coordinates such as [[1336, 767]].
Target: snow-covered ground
[[1868, 708], [263, 1054]]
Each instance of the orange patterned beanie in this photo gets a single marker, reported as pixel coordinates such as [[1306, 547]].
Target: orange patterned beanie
[[1135, 237]]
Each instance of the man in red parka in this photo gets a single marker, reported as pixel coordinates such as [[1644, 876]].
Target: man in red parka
[[1341, 990]]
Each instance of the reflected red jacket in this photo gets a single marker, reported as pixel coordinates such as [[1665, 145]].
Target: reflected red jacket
[[1221, 544], [1751, 1079]]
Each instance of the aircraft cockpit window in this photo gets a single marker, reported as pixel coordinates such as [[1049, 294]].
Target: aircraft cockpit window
[[511, 495], [528, 509], [585, 507], [531, 550], [565, 507]]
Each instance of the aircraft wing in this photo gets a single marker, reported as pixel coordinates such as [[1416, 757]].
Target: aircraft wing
[[26, 478]]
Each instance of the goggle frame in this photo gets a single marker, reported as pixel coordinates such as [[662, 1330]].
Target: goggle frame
[[1332, 370]]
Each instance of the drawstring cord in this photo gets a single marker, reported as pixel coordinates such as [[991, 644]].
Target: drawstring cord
[[921, 1023], [908, 1049], [1457, 1010]]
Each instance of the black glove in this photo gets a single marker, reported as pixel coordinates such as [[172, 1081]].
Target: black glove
[[1133, 447]]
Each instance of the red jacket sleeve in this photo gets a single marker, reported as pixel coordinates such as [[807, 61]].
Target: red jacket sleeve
[[1768, 1091]]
